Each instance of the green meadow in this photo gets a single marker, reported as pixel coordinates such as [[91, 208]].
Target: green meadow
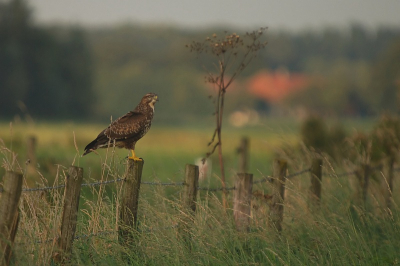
[[166, 150], [340, 232]]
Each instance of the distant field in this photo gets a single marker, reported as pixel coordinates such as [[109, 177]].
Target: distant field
[[165, 149]]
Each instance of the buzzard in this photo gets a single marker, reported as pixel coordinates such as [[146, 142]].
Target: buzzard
[[128, 129]]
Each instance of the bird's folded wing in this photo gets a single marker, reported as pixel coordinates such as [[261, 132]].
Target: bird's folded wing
[[126, 126]]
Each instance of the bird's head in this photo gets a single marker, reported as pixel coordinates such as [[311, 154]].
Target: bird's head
[[150, 99]]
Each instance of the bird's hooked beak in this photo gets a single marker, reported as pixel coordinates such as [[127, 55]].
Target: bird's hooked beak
[[156, 98]]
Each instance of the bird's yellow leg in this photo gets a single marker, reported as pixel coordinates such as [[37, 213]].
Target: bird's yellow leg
[[133, 157]]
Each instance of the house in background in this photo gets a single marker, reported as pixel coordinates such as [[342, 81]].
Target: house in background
[[269, 88], [274, 86]]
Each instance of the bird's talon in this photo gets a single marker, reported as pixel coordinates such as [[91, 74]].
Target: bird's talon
[[135, 158]]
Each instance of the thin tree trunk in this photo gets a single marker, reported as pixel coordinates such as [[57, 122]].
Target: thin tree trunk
[[221, 161]]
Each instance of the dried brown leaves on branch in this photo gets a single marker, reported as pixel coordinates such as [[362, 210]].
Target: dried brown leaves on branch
[[230, 55]]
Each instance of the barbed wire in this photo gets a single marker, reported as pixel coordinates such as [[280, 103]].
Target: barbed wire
[[340, 175], [103, 182], [215, 189], [298, 173], [268, 178], [262, 180], [98, 184], [63, 185], [42, 188], [162, 184], [378, 167]]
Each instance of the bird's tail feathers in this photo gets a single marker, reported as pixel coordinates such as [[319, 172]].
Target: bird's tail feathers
[[90, 147], [99, 142]]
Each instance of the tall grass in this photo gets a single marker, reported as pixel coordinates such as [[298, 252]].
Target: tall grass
[[339, 233]]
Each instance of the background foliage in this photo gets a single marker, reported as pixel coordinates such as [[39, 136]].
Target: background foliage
[[79, 73]]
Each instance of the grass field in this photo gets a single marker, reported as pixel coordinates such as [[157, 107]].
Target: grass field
[[165, 150], [339, 233]]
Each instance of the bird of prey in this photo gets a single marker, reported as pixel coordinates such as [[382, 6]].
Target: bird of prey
[[128, 129]]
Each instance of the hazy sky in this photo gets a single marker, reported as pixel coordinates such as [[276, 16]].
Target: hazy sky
[[244, 14]]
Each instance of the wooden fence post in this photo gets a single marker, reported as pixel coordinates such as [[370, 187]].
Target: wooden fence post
[[129, 202], [70, 213], [362, 175], [316, 182], [243, 151], [9, 216], [242, 201], [189, 199], [191, 184], [278, 195]]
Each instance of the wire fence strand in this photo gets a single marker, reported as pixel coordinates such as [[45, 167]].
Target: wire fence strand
[[341, 174], [264, 179], [103, 182], [298, 173], [215, 189], [162, 184], [42, 188]]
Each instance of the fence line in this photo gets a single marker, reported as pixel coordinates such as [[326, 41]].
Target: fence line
[[298, 173], [42, 188], [341, 174], [146, 230], [267, 178], [103, 182], [215, 189], [162, 184]]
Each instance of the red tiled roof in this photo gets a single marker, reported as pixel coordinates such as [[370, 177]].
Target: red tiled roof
[[274, 86]]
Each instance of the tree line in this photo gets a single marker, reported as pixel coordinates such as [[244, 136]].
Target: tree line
[[46, 72], [70, 72]]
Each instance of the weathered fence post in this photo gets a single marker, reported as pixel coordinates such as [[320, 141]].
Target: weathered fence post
[[9, 215], [362, 175], [316, 181], [70, 213], [278, 195], [243, 151], [191, 184], [242, 201], [129, 202], [189, 199]]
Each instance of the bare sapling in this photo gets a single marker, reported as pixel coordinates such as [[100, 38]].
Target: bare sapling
[[230, 54]]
